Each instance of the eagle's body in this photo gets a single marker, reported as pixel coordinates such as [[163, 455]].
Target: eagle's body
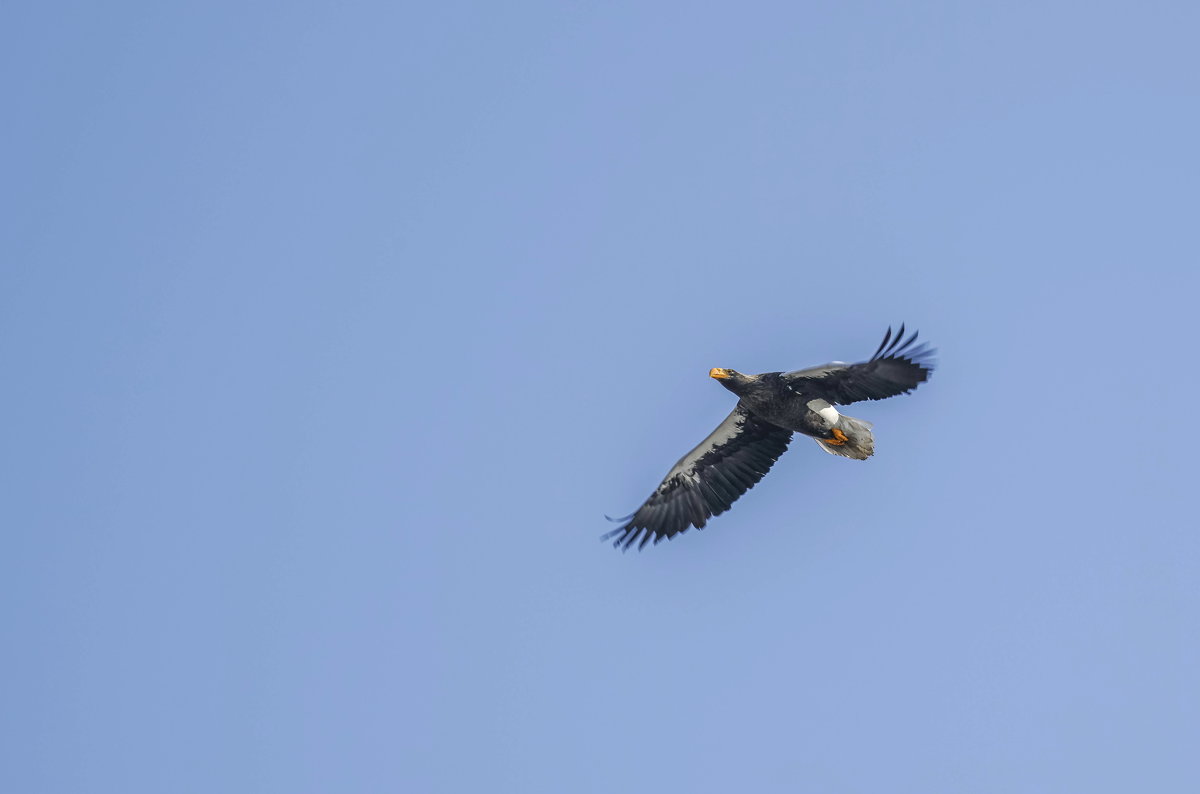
[[769, 397], [771, 406]]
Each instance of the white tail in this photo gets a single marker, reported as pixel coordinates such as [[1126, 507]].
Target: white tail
[[860, 444]]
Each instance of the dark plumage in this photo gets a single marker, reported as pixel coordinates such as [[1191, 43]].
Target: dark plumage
[[771, 406]]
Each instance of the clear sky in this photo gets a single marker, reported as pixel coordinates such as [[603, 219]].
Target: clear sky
[[330, 331]]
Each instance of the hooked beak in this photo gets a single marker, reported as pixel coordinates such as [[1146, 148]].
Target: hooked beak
[[719, 374]]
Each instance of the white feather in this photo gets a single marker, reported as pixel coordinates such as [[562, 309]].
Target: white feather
[[826, 411]]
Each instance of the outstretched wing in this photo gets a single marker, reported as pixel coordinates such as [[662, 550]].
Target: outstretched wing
[[896, 368], [707, 480]]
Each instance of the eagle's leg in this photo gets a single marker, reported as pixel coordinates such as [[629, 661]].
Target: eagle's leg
[[838, 439]]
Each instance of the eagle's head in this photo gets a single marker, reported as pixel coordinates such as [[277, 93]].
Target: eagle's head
[[731, 379]]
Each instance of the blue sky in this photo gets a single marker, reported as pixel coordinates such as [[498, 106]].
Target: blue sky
[[331, 331]]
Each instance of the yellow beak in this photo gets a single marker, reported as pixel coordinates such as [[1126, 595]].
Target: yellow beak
[[719, 374]]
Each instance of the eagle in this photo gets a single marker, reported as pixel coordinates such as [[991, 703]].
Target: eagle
[[771, 407]]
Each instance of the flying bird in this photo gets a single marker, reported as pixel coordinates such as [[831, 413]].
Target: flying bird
[[771, 406]]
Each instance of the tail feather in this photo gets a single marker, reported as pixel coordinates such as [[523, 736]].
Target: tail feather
[[860, 444]]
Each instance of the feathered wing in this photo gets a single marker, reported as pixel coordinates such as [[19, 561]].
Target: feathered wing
[[707, 480], [896, 368]]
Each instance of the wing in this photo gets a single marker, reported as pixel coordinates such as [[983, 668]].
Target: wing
[[896, 368], [707, 480]]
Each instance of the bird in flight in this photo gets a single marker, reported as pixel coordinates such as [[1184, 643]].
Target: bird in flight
[[771, 406]]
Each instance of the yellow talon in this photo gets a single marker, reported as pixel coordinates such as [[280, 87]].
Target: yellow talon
[[838, 439]]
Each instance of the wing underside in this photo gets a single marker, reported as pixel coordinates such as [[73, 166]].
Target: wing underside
[[898, 367], [707, 480]]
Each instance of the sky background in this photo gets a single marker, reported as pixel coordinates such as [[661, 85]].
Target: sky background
[[329, 333]]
